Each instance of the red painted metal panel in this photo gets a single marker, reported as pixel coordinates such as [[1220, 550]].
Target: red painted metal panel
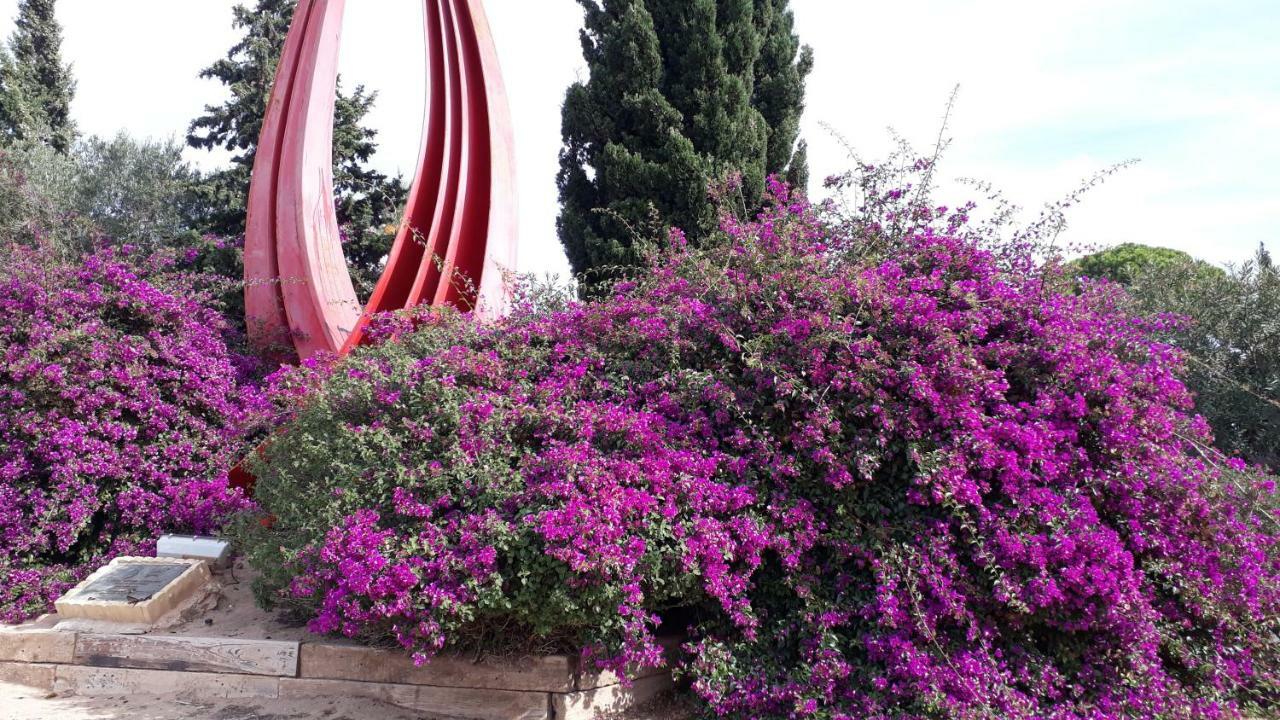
[[319, 298], [394, 288], [500, 245], [451, 288], [458, 237], [268, 326], [436, 234]]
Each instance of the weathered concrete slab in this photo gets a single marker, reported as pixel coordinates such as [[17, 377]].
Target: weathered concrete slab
[[113, 682], [585, 705], [39, 677], [338, 662], [134, 590], [37, 646], [434, 702], [223, 655]]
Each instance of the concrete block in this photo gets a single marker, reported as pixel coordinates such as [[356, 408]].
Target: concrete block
[[591, 679], [190, 547], [115, 682], [587, 704], [39, 677], [341, 662], [221, 655], [434, 702], [37, 646]]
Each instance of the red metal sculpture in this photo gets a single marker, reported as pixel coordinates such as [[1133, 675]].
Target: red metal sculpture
[[457, 238]]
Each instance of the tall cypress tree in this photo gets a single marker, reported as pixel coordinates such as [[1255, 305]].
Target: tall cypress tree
[[367, 199], [36, 87], [780, 73], [680, 94]]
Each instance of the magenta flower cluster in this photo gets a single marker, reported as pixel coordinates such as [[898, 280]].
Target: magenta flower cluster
[[909, 484], [120, 409]]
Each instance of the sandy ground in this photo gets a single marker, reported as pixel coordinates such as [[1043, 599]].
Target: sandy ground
[[19, 703]]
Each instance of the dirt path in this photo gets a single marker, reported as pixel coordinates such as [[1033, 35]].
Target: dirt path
[[19, 703]]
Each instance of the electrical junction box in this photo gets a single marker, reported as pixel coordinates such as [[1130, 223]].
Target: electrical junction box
[[190, 547]]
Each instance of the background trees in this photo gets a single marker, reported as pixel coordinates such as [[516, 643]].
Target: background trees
[[36, 87], [680, 94], [1229, 325], [1129, 262], [119, 191], [367, 200], [69, 194]]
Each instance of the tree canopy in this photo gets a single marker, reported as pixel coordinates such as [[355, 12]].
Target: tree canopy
[[1125, 263], [36, 87]]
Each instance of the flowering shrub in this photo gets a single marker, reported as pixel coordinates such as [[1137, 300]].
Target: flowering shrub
[[120, 409], [910, 486]]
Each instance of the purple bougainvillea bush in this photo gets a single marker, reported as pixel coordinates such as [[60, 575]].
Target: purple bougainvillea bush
[[915, 484], [120, 409]]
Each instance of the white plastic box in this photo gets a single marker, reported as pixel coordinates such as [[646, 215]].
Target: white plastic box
[[190, 547]]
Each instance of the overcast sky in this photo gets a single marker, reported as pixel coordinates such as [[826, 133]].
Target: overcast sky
[[1050, 93]]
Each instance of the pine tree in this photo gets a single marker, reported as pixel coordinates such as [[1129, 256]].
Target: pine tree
[[367, 199], [36, 87], [681, 93]]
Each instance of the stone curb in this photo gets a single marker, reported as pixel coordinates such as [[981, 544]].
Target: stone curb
[[37, 646], [531, 688]]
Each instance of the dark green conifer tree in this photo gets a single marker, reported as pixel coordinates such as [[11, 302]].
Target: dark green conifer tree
[[780, 73], [367, 200], [36, 87], [682, 93]]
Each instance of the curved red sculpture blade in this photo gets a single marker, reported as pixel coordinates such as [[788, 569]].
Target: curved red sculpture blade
[[458, 237], [266, 321]]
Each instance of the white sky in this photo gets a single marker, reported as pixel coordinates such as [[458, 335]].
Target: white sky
[[1050, 93]]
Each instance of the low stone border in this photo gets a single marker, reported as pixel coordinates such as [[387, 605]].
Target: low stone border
[[535, 688]]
